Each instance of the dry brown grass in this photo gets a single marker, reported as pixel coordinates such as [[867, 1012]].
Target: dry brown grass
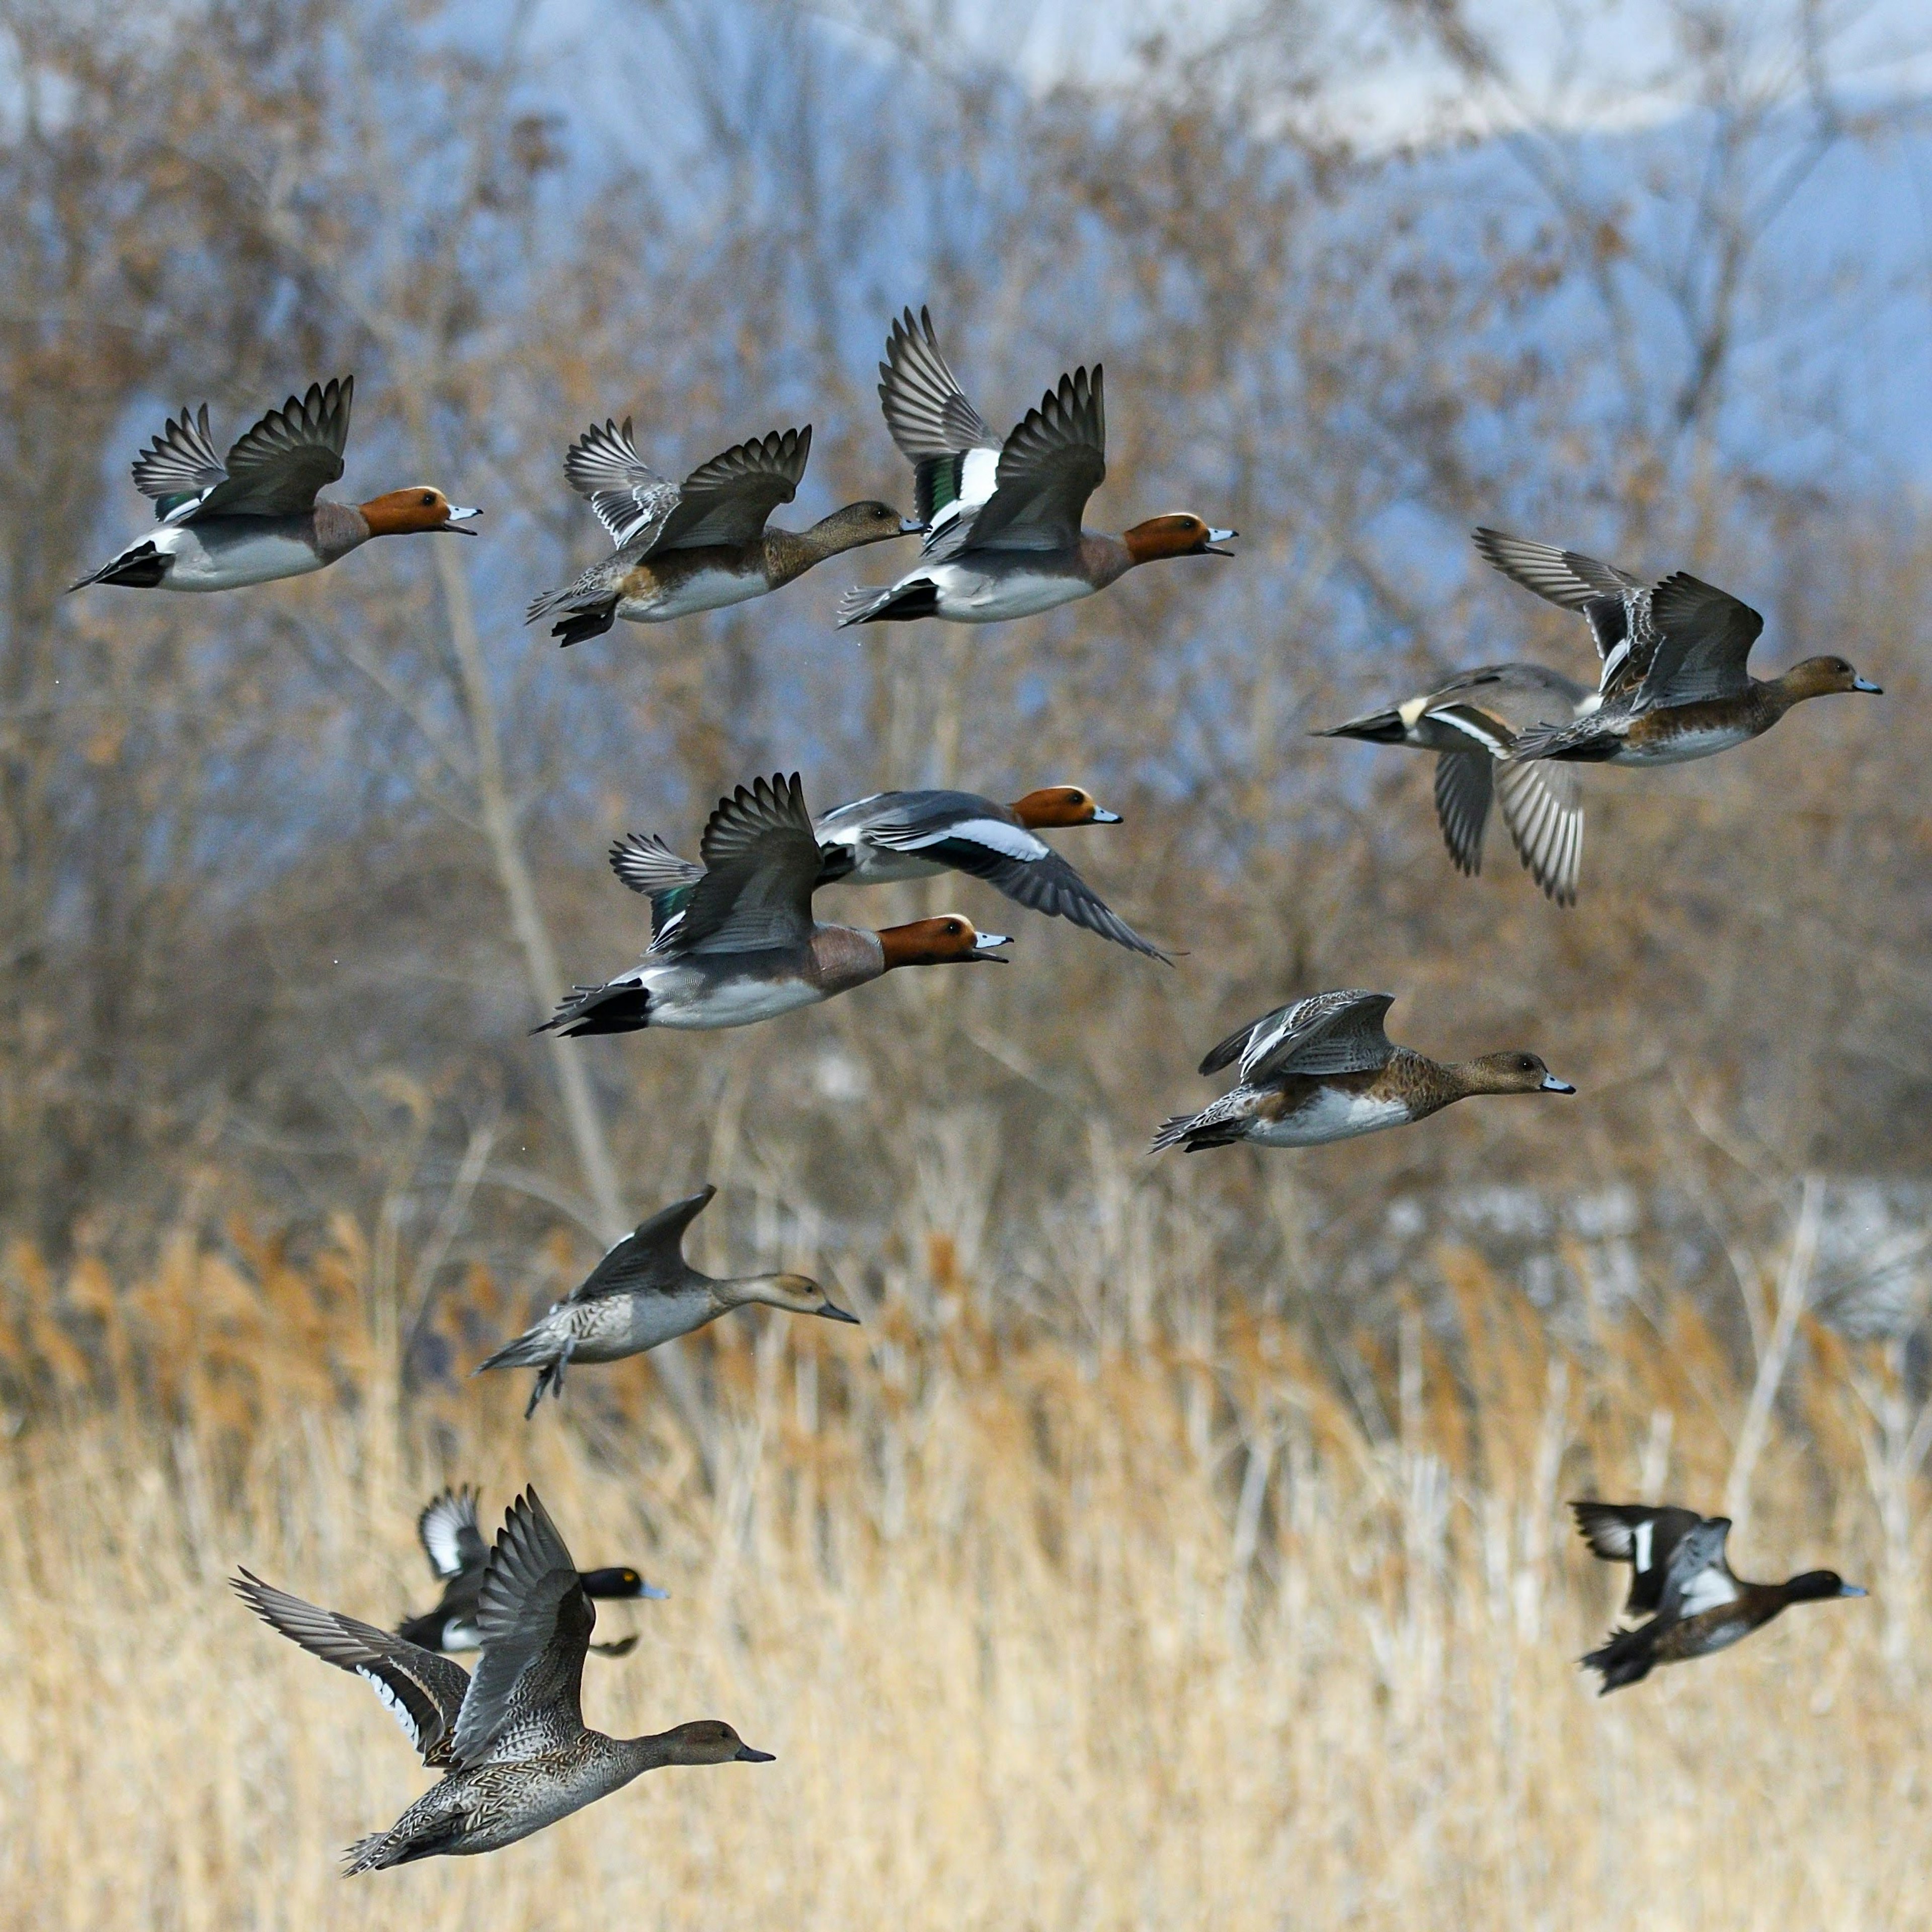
[[1042, 1636]]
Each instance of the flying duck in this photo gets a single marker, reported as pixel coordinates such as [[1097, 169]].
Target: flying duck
[[510, 1741], [1471, 721], [1002, 521], [1322, 1069], [1680, 1578], [700, 544], [1674, 685], [253, 516], [911, 835], [458, 1557], [745, 947], [642, 1293]]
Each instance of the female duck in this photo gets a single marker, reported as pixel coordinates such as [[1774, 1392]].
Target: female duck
[[253, 517], [1680, 1575], [745, 947], [642, 1293], [510, 1742], [1323, 1070], [1675, 686], [700, 545], [1002, 520], [458, 1557], [912, 835], [1471, 722]]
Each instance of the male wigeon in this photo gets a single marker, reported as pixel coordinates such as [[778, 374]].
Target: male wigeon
[[1470, 722], [642, 1293], [1002, 520], [1680, 1576], [1674, 684], [458, 1556], [510, 1742], [746, 947], [911, 835], [1322, 1069], [253, 517], [700, 544]]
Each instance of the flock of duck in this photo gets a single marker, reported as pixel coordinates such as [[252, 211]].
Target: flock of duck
[[735, 940]]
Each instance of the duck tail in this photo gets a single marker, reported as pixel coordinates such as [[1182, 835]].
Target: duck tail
[[1537, 741], [532, 1349], [1377, 728], [1625, 1658], [585, 616], [142, 568], [1196, 1132], [398, 1846], [897, 603], [599, 1010]]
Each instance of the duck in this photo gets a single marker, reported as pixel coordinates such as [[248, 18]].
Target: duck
[[745, 947], [254, 516], [699, 545], [912, 835], [447, 1529], [1470, 721], [1322, 1069], [1002, 520], [510, 1741], [642, 1293], [1681, 1579], [1674, 685]]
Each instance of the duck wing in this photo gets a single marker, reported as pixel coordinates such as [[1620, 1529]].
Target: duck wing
[[1610, 599], [534, 1622], [447, 1530], [1335, 1032], [1696, 1578], [652, 1256], [1705, 635], [631, 499], [180, 466], [650, 866], [761, 864], [1498, 701], [1644, 1535], [954, 456], [1463, 788], [1543, 807], [422, 1689], [728, 500], [275, 468], [1053, 460]]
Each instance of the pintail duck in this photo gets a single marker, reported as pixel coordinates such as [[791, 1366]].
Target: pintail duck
[[458, 1557], [1471, 722], [642, 1293], [1002, 520], [911, 835], [1322, 1069], [510, 1741], [1680, 1578], [1674, 685], [745, 947], [252, 516], [700, 544]]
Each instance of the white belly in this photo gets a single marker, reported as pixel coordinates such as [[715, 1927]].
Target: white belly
[[228, 565], [969, 596], [1683, 746], [683, 996], [614, 1326], [704, 590], [1331, 1115]]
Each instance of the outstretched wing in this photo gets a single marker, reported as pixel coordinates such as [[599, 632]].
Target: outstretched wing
[[1607, 597], [954, 455], [180, 466], [629, 496], [1335, 1032], [1696, 1578], [650, 866], [533, 1622], [448, 1532], [655, 1253], [760, 863], [421, 1689], [1642, 1534], [1705, 635], [275, 468], [1053, 460], [728, 500], [1543, 807], [1462, 792]]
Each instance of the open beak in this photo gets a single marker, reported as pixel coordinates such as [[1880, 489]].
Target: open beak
[[988, 940], [1850, 1590], [1877, 690], [450, 523], [832, 1314], [1551, 1084], [1218, 537], [1104, 818], [745, 1755]]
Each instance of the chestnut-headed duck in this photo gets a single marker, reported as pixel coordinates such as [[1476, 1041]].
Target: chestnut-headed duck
[[510, 1741], [700, 544], [1322, 1069], [1470, 722], [1680, 1578], [642, 1293], [912, 835], [253, 516], [745, 947], [458, 1556], [1002, 520], [1674, 685]]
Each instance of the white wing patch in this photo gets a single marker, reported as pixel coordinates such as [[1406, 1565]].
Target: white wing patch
[[393, 1704], [442, 1525], [1710, 1589], [1010, 841], [979, 475], [1640, 1544]]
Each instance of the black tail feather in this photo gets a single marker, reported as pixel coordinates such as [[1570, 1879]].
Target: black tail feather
[[1626, 1657], [141, 569], [581, 626]]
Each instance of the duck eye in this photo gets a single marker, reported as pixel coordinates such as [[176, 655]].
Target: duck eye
[[429, 497]]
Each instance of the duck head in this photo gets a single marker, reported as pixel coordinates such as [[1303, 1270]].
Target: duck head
[[942, 941], [1815, 1584], [401, 512], [869, 522], [709, 1740], [1820, 677], [1512, 1073], [796, 1294], [621, 1581], [1179, 534], [1061, 804]]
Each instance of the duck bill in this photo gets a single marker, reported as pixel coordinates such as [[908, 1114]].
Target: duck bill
[[1551, 1084], [911, 526], [983, 950], [745, 1755], [1866, 684], [832, 1314], [1106, 817], [1215, 537], [451, 522], [652, 1593], [1850, 1590]]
